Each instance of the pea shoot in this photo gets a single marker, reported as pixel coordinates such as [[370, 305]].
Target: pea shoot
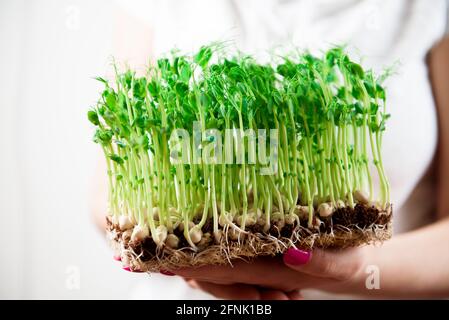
[[212, 156]]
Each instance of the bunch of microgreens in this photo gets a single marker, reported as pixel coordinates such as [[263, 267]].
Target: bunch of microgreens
[[329, 114]]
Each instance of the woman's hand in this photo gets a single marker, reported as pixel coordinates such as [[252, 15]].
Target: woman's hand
[[411, 265], [282, 278]]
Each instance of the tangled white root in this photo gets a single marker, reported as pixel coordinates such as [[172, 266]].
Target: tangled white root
[[231, 242], [248, 247]]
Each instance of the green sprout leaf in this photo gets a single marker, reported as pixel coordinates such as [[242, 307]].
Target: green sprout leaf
[[93, 117], [116, 158]]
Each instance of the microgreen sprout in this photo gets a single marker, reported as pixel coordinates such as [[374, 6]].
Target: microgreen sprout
[[329, 115]]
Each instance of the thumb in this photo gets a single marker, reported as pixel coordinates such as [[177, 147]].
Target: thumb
[[337, 265]]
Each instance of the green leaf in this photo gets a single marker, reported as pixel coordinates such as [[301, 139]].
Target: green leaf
[[93, 117], [164, 66], [153, 88], [116, 158], [357, 70], [373, 109], [203, 56], [181, 89], [139, 88], [184, 71], [111, 100], [103, 136], [102, 80], [370, 89], [380, 92], [141, 121], [358, 108]]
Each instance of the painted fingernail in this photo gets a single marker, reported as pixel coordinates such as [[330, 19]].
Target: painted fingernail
[[117, 258], [167, 273], [297, 257]]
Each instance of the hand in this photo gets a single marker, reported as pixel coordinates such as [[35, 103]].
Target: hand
[[282, 278]]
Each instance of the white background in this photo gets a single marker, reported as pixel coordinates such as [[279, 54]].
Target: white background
[[50, 50]]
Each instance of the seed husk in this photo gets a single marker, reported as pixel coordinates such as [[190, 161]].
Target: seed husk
[[257, 213], [224, 219], [302, 212], [290, 218], [361, 197], [172, 241], [261, 221], [160, 235], [196, 234], [235, 234], [205, 240], [249, 221], [340, 204], [218, 235], [278, 220], [126, 235], [125, 223], [181, 225], [325, 209], [140, 232]]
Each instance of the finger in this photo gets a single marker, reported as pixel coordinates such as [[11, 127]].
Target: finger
[[265, 272], [192, 283], [233, 291], [202, 273], [295, 295], [166, 273], [273, 295], [335, 265]]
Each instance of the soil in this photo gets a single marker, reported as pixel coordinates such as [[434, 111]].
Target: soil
[[346, 227]]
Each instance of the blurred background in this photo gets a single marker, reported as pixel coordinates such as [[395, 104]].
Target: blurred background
[[49, 245], [50, 51]]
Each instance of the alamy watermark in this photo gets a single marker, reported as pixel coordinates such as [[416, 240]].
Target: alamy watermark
[[72, 19], [212, 146], [372, 281], [73, 278]]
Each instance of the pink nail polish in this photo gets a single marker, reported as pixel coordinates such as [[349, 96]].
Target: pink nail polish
[[167, 273], [117, 258], [297, 257], [127, 269]]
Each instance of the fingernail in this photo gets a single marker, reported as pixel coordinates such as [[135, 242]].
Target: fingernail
[[297, 257], [167, 273], [117, 258]]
